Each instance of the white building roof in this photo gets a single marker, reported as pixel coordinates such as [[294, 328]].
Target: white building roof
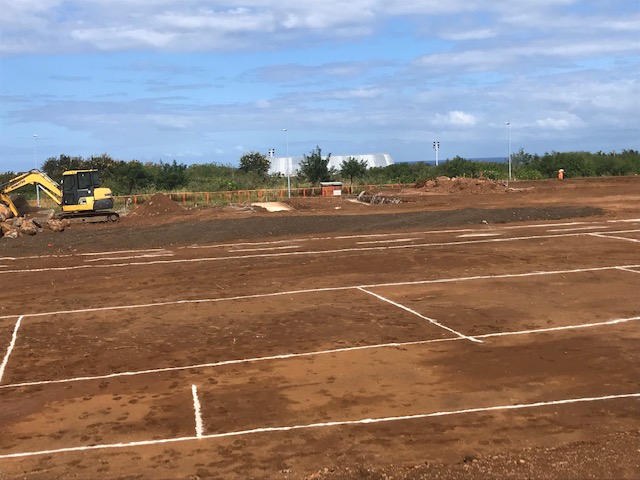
[[279, 164]]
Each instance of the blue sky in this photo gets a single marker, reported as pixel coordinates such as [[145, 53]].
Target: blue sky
[[206, 81]]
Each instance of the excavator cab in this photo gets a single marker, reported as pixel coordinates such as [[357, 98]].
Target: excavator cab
[[81, 191]]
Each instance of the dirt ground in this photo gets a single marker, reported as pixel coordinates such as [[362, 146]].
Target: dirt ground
[[470, 331]]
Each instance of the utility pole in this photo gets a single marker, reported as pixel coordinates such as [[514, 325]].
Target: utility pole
[[286, 134], [436, 147], [508, 124], [35, 166]]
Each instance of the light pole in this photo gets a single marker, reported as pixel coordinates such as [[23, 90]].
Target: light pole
[[286, 136], [35, 166], [508, 124], [436, 146]]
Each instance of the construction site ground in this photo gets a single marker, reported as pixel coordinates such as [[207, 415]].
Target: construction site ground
[[474, 331]]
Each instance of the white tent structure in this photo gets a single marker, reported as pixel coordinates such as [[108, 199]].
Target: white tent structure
[[291, 165]]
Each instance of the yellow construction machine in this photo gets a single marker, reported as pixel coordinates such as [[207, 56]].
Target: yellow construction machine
[[81, 196]]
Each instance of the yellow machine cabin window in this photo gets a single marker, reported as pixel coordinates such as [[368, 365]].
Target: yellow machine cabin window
[[84, 180]]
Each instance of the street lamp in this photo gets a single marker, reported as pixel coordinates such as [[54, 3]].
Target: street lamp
[[286, 135], [436, 146], [35, 166], [508, 124]]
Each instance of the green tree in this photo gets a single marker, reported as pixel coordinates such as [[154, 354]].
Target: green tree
[[315, 168], [132, 176], [6, 176], [54, 167], [460, 167], [170, 176], [352, 168], [105, 165], [254, 162]]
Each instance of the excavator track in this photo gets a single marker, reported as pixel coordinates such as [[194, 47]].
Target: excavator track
[[89, 217]]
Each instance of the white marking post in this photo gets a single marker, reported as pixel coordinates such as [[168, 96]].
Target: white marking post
[[14, 337], [364, 421], [430, 320], [196, 410]]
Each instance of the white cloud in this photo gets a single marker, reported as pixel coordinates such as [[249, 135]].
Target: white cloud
[[456, 118], [554, 123]]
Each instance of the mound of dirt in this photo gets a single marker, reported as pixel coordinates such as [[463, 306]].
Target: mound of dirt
[[157, 205], [463, 185]]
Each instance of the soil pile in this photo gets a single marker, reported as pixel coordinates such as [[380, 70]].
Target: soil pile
[[157, 205], [462, 185]]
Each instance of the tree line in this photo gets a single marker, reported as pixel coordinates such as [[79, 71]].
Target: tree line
[[127, 177]]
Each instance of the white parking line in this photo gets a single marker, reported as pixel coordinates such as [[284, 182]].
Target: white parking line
[[326, 289], [488, 234], [362, 421], [606, 235], [395, 240], [148, 255], [576, 229], [196, 410], [428, 319], [305, 253], [261, 249], [12, 344], [288, 356]]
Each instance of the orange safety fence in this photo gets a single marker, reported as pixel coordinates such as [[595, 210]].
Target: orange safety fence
[[197, 199]]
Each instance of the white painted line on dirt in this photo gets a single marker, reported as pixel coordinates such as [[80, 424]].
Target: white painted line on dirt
[[288, 356], [148, 255], [488, 234], [606, 235], [499, 276], [12, 344], [68, 255], [363, 421], [629, 220], [285, 356], [395, 240], [117, 252], [512, 227], [181, 302], [559, 329], [309, 252], [287, 247], [428, 319], [251, 244], [196, 411], [629, 270], [614, 232], [575, 229], [326, 289]]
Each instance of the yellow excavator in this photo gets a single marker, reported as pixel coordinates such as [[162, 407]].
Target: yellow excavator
[[80, 197]]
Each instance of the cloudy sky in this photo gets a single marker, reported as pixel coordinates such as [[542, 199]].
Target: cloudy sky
[[205, 81]]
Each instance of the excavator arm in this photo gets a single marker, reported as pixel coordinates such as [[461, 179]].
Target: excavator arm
[[33, 177]]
